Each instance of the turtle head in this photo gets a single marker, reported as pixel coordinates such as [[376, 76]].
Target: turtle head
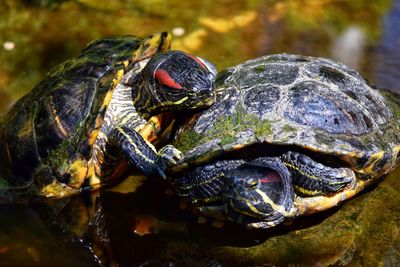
[[174, 80], [259, 191]]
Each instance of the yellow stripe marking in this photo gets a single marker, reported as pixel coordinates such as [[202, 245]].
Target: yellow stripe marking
[[117, 78], [60, 126], [93, 136], [245, 212], [204, 182], [301, 172], [128, 118], [136, 99], [373, 160], [58, 190], [169, 103], [308, 192], [151, 129], [265, 198], [309, 205], [135, 146], [397, 151], [268, 200], [63, 131], [79, 171], [150, 46], [106, 102]]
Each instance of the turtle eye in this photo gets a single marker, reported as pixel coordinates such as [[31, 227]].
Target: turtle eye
[[164, 78], [252, 183]]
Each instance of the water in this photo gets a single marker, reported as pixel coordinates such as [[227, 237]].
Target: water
[[148, 227]]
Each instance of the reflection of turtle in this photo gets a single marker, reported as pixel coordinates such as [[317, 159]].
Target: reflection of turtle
[[75, 130], [289, 135]]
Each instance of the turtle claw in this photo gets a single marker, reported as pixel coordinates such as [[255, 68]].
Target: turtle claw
[[161, 173], [348, 182], [168, 155], [177, 154], [340, 179]]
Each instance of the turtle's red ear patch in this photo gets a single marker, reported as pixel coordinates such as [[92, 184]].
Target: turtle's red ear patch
[[271, 177], [164, 78]]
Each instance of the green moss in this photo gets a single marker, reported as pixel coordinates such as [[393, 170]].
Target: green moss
[[393, 101], [230, 126], [263, 128], [60, 155], [288, 129], [188, 140], [226, 128], [260, 68], [395, 106]]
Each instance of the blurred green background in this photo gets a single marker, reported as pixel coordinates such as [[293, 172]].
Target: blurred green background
[[36, 35]]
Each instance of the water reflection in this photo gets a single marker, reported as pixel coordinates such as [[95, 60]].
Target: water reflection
[[386, 62], [64, 233], [348, 48], [104, 231], [26, 241]]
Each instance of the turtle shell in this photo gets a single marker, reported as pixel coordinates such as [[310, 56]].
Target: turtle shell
[[63, 114], [315, 105]]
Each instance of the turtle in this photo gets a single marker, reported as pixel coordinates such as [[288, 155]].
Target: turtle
[[288, 135], [84, 124]]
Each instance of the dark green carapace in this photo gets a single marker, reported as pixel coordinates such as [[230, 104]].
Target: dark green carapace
[[312, 123]]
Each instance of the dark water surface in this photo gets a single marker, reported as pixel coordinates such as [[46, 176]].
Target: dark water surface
[[148, 227]]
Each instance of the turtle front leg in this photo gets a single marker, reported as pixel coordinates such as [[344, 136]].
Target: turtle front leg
[[311, 178], [143, 155], [205, 183]]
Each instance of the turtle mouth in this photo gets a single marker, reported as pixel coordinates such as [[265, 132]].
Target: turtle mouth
[[204, 97], [205, 100]]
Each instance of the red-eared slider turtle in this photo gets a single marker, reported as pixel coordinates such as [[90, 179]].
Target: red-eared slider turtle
[[80, 126], [288, 135]]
